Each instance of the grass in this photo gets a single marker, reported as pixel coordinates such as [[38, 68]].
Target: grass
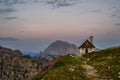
[[37, 77], [107, 63], [69, 67]]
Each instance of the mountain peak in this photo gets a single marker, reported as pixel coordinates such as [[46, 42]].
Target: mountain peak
[[59, 41], [59, 48]]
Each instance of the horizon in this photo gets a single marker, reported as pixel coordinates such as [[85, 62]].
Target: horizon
[[41, 22], [40, 45]]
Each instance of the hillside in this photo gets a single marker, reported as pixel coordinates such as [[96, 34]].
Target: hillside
[[106, 62], [101, 65], [67, 68], [58, 48]]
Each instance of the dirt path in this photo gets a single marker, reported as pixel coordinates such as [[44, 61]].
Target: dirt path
[[90, 72]]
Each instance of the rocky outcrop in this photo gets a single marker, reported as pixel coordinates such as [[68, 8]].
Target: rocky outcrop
[[19, 68], [16, 67], [58, 48], [9, 52]]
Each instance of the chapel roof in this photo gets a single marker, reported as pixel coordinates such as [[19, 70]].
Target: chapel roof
[[87, 44]]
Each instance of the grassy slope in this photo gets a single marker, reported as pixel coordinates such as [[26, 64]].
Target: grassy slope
[[106, 62], [67, 68]]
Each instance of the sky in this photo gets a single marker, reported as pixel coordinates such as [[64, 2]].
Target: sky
[[69, 20]]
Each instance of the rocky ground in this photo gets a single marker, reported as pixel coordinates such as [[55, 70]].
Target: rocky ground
[[14, 66]]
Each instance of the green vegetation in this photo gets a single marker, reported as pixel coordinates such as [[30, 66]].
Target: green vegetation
[[106, 62], [37, 77], [70, 67], [67, 68]]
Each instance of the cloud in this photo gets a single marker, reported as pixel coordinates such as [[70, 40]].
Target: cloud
[[54, 3], [61, 3], [10, 18], [7, 10], [12, 2], [116, 14], [97, 11], [8, 39], [117, 24]]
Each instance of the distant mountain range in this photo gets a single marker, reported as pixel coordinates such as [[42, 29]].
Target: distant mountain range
[[8, 39], [58, 48], [31, 53]]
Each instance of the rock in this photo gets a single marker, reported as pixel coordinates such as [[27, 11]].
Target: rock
[[9, 52], [13, 66], [58, 48], [18, 52]]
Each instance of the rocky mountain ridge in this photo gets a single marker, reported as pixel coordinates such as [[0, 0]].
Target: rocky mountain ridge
[[10, 52], [58, 48], [14, 66]]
